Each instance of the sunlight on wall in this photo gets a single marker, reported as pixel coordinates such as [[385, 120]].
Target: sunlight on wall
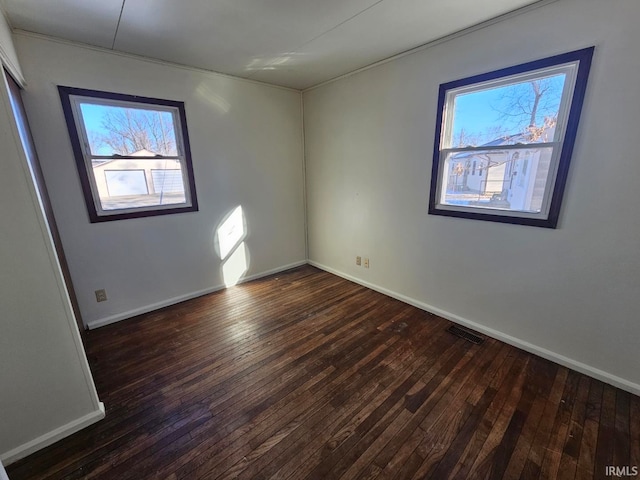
[[231, 232], [235, 266], [207, 93], [231, 248]]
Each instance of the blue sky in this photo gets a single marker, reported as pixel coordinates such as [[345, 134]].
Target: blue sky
[[92, 115], [478, 111]]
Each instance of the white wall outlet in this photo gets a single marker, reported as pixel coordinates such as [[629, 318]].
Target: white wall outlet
[[366, 263], [358, 260], [101, 295]]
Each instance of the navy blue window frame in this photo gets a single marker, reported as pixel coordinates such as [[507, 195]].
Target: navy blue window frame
[[76, 144], [584, 58]]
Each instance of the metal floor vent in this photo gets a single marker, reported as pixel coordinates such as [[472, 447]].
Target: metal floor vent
[[466, 334]]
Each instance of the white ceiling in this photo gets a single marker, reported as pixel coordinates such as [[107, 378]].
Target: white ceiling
[[293, 43]]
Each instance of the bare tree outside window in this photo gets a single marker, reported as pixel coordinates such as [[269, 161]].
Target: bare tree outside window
[[526, 108], [513, 124], [525, 103], [124, 131], [132, 153]]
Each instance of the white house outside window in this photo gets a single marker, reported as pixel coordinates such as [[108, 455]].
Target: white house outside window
[[504, 141], [132, 154]]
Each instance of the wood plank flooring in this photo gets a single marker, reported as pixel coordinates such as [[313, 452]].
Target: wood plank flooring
[[304, 375]]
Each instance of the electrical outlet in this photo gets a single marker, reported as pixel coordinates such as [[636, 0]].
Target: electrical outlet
[[366, 263], [358, 261], [101, 295]]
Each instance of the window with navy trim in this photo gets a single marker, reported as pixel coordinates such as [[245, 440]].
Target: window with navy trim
[[504, 141], [132, 154]]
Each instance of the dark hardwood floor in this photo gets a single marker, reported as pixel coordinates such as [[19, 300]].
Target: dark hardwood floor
[[304, 375]]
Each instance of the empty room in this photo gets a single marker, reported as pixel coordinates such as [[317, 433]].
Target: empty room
[[362, 239]]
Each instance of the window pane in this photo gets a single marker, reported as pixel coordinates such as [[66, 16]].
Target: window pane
[[134, 183], [512, 180], [504, 141], [518, 113], [127, 131], [132, 154]]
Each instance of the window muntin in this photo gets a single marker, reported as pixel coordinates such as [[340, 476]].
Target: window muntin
[[517, 126], [132, 154]]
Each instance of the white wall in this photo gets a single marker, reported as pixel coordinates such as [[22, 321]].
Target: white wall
[[570, 294], [246, 143], [8, 55], [46, 389]]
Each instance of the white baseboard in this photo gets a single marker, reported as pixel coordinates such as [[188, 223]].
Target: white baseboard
[[53, 436], [516, 342], [172, 301]]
